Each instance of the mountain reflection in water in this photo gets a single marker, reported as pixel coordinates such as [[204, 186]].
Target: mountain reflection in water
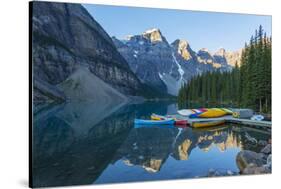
[[85, 143]]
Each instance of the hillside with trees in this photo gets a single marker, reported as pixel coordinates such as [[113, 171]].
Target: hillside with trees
[[245, 86]]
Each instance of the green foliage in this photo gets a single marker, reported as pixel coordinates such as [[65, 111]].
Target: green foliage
[[247, 86], [151, 93]]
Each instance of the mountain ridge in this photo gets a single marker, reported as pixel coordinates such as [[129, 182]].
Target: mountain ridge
[[168, 66], [65, 38]]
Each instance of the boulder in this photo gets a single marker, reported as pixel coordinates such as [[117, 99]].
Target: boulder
[[266, 149], [253, 169], [229, 172], [269, 161], [213, 173], [262, 143], [246, 158]]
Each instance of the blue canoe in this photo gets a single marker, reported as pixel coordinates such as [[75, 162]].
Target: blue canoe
[[153, 122], [137, 126]]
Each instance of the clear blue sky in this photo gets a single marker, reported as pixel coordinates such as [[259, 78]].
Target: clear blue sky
[[200, 29]]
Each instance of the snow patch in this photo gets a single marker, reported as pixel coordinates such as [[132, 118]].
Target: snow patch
[[181, 72], [151, 30], [170, 83]]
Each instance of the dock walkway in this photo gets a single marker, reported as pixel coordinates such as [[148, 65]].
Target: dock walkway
[[230, 119]]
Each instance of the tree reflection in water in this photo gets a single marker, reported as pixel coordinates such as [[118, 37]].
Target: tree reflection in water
[[76, 143]]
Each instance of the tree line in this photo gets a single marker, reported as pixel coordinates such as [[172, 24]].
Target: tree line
[[247, 85]]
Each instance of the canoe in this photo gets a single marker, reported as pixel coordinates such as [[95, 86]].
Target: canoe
[[154, 122], [207, 123], [212, 113], [157, 117], [185, 112], [181, 122], [228, 111], [153, 117], [177, 120], [205, 112], [137, 126], [257, 117]]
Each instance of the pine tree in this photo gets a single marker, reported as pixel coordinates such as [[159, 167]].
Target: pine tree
[[247, 86]]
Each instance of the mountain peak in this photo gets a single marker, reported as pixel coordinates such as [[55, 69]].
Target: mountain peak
[[181, 42], [128, 37], [154, 35], [183, 48], [221, 52], [151, 30], [204, 50]]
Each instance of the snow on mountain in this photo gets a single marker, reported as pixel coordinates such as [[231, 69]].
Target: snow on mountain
[[165, 66], [151, 30]]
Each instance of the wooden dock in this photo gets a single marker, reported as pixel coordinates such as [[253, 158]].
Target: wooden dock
[[230, 119]]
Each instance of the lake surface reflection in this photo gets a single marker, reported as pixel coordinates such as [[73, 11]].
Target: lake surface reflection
[[84, 143]]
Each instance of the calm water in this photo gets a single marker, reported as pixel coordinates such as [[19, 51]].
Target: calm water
[[82, 143]]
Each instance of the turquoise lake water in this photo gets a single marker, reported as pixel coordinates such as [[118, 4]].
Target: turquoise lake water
[[81, 143]]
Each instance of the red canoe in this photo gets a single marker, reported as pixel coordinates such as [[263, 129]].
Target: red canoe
[[181, 122]]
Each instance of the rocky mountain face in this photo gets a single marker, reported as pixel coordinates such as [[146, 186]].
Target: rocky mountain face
[[66, 39], [168, 66], [234, 57], [149, 56], [155, 61], [220, 59]]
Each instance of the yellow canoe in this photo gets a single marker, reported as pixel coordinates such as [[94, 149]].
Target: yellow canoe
[[212, 112], [155, 118], [228, 111], [207, 123]]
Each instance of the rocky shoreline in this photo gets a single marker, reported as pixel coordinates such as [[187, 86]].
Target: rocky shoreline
[[250, 162]]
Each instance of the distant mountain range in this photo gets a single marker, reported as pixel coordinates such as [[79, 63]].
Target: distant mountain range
[[73, 58], [167, 66]]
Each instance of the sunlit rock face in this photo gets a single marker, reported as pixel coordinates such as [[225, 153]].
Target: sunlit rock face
[[234, 57], [184, 144], [153, 165], [227, 58], [204, 56], [221, 59], [183, 149], [154, 35], [204, 140], [183, 48]]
